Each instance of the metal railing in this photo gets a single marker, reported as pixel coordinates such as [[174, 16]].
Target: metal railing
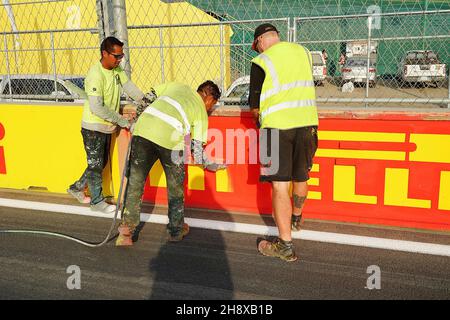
[[203, 46], [30, 66]]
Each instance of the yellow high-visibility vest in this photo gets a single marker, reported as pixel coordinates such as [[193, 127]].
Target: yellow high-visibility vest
[[178, 111], [288, 96]]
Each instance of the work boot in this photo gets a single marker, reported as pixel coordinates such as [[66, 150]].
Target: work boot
[[125, 236], [296, 222], [103, 207], [79, 195], [278, 248], [184, 232]]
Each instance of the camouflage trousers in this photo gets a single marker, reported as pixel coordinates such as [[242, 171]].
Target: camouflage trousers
[[143, 156], [97, 146]]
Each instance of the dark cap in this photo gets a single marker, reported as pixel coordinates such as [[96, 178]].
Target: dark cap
[[260, 30]]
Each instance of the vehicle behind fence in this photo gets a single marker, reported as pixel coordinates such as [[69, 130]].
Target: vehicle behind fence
[[363, 54]]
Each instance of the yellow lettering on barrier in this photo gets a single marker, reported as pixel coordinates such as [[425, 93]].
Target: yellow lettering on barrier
[[361, 136], [222, 181], [196, 178], [315, 195], [313, 181], [444, 192], [431, 148], [344, 186], [396, 190], [157, 176], [361, 154]]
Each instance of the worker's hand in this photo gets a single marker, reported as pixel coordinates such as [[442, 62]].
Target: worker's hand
[[255, 114], [215, 166], [130, 116]]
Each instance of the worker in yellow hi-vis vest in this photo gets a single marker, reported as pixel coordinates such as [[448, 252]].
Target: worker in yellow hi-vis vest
[[282, 99], [104, 83], [160, 133]]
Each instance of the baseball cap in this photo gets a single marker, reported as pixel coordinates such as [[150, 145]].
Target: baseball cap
[[260, 30]]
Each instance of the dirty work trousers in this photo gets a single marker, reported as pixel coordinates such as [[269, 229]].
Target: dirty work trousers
[[97, 146], [143, 156]]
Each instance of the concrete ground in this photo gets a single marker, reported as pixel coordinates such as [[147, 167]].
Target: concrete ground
[[207, 264]]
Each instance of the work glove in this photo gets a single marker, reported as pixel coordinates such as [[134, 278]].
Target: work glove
[[215, 166], [124, 123], [200, 157]]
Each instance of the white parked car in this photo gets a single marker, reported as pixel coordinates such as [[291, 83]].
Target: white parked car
[[42, 87], [319, 67], [422, 66], [355, 70], [238, 92]]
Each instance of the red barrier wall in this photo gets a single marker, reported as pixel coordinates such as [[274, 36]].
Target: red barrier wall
[[388, 168]]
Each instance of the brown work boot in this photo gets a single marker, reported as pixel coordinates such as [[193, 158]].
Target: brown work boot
[[184, 232], [278, 248], [124, 238], [296, 222]]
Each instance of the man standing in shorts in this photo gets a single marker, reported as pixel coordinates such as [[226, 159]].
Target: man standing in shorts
[[282, 98]]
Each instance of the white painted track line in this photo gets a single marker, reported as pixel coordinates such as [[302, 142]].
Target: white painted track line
[[328, 237]]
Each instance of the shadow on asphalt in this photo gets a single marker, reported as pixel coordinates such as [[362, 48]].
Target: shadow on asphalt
[[194, 268]]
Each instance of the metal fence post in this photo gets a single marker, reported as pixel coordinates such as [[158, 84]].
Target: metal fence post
[[289, 30], [222, 59], [295, 30], [242, 65], [7, 66], [369, 26], [52, 43], [120, 26], [161, 54], [100, 23], [105, 19]]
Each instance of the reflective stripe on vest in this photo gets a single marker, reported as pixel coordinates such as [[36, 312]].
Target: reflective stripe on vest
[[169, 119], [277, 88], [288, 105], [166, 118], [281, 91], [271, 68], [296, 84]]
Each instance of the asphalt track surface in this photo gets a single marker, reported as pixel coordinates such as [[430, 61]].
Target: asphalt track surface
[[207, 264]]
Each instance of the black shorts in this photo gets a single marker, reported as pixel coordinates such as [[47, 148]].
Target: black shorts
[[296, 149]]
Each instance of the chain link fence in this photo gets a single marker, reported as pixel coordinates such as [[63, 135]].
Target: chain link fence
[[382, 57], [47, 47]]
